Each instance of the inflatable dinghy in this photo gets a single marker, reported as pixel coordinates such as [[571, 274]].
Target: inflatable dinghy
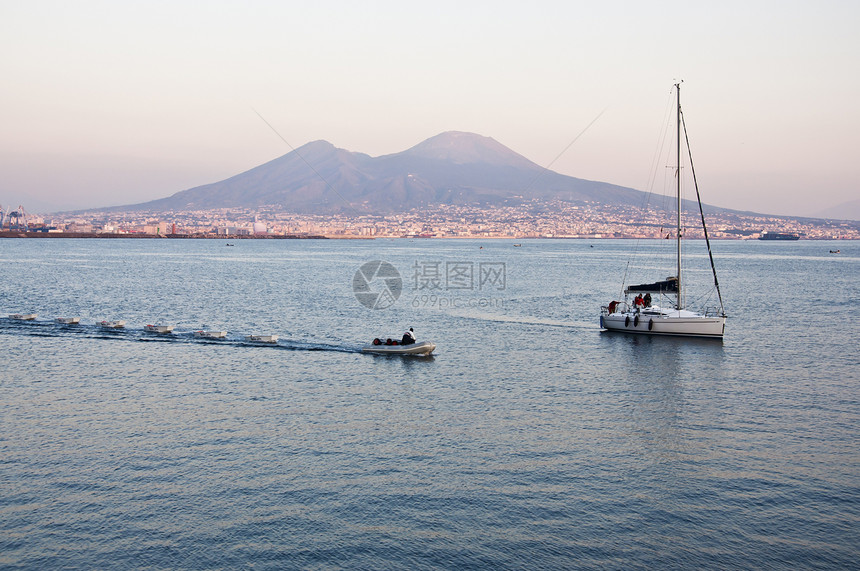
[[381, 348]]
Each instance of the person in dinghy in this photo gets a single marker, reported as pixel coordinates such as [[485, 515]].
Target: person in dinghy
[[408, 337]]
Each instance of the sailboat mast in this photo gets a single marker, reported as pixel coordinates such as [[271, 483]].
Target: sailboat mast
[[678, 189]]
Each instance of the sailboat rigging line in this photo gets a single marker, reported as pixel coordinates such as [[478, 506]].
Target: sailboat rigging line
[[658, 152], [321, 177], [569, 145], [662, 136], [702, 214]]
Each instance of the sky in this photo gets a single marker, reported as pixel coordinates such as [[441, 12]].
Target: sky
[[107, 103]]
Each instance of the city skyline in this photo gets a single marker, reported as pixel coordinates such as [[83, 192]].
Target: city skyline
[[116, 104], [534, 219]]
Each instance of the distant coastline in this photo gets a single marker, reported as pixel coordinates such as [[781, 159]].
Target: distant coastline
[[18, 234], [138, 235]]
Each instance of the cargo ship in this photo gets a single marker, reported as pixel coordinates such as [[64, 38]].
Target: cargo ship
[[778, 236]]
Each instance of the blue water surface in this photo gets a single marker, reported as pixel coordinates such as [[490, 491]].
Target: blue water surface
[[530, 440]]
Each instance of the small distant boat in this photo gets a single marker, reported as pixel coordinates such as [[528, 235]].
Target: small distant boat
[[161, 329], [23, 316], [211, 334], [380, 347], [518, 245], [834, 251], [262, 338], [117, 324], [69, 320]]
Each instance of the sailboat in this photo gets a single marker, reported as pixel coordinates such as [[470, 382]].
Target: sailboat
[[671, 318]]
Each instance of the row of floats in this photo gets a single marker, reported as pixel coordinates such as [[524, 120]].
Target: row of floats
[[378, 346], [157, 329]]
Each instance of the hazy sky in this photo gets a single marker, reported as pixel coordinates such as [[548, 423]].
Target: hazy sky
[[106, 102]]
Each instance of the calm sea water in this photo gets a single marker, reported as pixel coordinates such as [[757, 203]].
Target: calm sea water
[[530, 440]]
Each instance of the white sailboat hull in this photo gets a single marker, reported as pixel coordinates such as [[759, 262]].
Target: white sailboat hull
[[685, 323]]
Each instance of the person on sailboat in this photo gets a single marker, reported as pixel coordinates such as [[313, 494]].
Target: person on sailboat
[[408, 337], [647, 300]]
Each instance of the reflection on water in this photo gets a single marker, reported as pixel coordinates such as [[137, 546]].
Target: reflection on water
[[530, 440]]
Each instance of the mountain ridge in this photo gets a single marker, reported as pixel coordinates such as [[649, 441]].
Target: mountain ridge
[[454, 167], [849, 210]]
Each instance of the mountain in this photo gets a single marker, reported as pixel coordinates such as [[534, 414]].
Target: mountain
[[846, 211], [451, 168]]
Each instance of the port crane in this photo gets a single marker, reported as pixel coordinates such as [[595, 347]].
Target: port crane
[[17, 219]]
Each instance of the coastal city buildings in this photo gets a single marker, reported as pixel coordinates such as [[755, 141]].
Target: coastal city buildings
[[534, 219]]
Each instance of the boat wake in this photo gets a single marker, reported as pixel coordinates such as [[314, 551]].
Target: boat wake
[[96, 331], [525, 320]]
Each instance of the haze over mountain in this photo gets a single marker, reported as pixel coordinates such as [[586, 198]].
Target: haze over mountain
[[451, 168], [846, 211]]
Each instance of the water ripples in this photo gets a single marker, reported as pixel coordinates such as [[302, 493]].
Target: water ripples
[[531, 441]]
